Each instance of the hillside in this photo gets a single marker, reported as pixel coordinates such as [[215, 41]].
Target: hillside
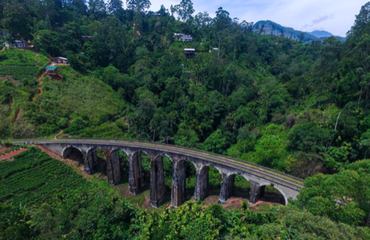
[[320, 34], [274, 29], [28, 113], [271, 28]]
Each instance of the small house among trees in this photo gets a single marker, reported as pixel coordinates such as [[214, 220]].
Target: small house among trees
[[183, 37], [52, 71], [17, 44], [189, 52], [59, 60], [86, 38], [186, 38]]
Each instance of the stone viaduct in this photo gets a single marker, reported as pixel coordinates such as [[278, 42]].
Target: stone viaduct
[[258, 176]]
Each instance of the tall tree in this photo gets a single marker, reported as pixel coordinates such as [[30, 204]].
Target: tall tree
[[185, 9], [222, 19], [16, 19], [80, 6], [97, 8], [138, 5], [115, 8]]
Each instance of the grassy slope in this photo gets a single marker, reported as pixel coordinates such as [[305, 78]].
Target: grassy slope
[[75, 96], [22, 58], [79, 96]]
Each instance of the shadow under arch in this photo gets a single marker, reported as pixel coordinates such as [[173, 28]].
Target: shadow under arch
[[183, 181], [214, 184], [242, 187], [161, 175], [142, 165], [273, 194], [123, 164], [73, 153]]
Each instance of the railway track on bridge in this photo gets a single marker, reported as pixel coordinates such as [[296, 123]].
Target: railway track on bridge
[[257, 170]]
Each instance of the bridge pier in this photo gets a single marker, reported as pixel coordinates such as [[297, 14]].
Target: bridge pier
[[90, 160], [178, 183], [202, 183], [256, 192], [227, 188], [135, 173], [157, 186], [113, 167]]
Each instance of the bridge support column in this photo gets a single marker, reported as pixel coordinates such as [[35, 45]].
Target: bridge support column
[[201, 187], [94, 156], [90, 161], [113, 167], [227, 188], [157, 186], [256, 192], [135, 173], [178, 183]]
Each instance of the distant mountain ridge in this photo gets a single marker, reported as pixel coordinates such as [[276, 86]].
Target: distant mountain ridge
[[320, 34], [267, 27]]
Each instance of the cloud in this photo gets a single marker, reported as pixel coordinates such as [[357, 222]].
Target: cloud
[[316, 21]]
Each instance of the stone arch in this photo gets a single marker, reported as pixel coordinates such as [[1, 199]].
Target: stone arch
[[167, 155], [217, 169], [194, 164], [65, 150], [145, 152], [277, 188], [208, 182], [242, 185], [128, 152], [78, 154]]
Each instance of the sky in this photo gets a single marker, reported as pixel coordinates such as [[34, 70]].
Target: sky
[[335, 16]]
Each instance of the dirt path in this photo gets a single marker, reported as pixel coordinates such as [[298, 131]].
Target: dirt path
[[4, 149], [40, 89], [56, 136], [42, 75], [12, 154], [17, 115]]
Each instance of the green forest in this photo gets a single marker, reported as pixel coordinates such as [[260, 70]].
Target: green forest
[[298, 107]]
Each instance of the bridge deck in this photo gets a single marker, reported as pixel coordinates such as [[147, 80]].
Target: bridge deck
[[267, 173]]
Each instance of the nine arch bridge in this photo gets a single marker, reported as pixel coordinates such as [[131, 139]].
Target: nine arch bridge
[[257, 176]]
